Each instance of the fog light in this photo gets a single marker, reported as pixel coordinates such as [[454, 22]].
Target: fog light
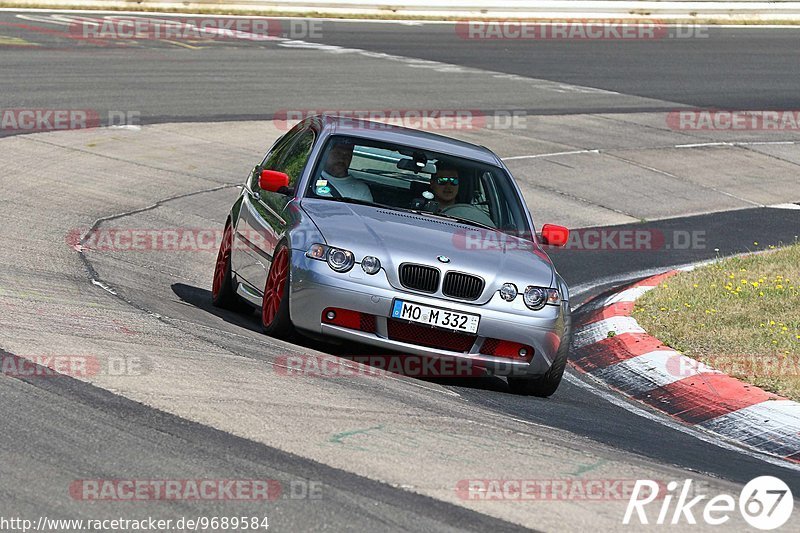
[[508, 292], [370, 265], [330, 315]]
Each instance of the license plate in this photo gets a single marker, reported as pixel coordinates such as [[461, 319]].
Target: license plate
[[435, 316]]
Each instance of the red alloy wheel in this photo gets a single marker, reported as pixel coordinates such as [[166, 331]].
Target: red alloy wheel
[[223, 260], [276, 283]]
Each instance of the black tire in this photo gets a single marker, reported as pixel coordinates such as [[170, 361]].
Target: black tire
[[280, 325], [545, 385]]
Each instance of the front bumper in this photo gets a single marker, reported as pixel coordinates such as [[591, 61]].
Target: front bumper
[[314, 287]]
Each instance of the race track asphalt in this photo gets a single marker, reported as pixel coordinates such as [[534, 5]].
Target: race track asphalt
[[388, 452]]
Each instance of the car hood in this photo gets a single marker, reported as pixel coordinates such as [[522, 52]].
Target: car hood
[[397, 237]]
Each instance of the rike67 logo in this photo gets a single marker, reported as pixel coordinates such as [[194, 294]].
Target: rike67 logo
[[765, 503]]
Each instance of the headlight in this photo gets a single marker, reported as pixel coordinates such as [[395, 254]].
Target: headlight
[[338, 259], [537, 297], [370, 265], [508, 292]]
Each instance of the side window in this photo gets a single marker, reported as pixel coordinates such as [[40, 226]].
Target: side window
[[275, 155], [297, 156]]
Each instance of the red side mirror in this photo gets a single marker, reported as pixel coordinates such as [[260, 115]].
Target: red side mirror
[[553, 235], [272, 180]]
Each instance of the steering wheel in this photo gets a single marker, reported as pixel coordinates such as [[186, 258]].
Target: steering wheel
[[469, 212]]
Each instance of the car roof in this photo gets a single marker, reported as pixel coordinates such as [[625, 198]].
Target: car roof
[[356, 127]]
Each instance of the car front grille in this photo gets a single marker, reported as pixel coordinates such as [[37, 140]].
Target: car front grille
[[367, 323], [419, 277], [462, 286], [429, 337]]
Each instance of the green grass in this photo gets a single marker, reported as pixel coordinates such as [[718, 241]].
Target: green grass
[[740, 315]]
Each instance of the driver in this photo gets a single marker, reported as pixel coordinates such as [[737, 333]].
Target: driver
[[444, 186], [337, 175]]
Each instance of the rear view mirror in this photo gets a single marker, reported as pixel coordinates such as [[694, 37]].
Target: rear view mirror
[[273, 181], [410, 165], [554, 235], [417, 163]]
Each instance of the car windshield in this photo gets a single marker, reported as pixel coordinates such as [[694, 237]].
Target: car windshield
[[391, 176]]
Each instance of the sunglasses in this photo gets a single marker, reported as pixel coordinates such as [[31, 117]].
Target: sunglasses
[[446, 180]]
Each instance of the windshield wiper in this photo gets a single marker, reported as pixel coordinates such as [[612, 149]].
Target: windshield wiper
[[461, 220], [359, 201]]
